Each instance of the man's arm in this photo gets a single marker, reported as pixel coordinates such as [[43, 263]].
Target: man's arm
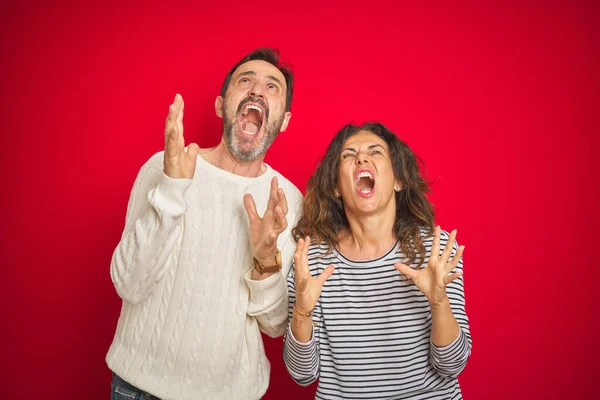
[[268, 301], [154, 219], [152, 233], [268, 293]]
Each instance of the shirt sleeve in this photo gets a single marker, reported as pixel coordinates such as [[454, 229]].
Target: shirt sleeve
[[301, 359], [152, 235], [450, 360], [268, 301]]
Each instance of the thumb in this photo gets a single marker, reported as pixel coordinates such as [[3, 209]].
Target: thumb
[[192, 150], [250, 207], [451, 277], [406, 270], [326, 274]]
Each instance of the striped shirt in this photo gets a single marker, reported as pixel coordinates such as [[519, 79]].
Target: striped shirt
[[371, 332]]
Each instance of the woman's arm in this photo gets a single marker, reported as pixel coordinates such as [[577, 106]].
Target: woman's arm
[[442, 283]]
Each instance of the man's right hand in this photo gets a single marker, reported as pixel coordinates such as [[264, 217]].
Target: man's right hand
[[178, 163]]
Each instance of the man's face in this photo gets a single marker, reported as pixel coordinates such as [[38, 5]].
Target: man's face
[[253, 109]]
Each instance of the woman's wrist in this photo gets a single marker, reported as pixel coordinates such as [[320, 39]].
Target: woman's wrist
[[439, 303], [302, 311]]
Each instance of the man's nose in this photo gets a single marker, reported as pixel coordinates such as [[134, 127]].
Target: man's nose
[[257, 90]]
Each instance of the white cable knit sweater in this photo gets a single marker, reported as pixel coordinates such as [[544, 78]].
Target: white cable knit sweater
[[189, 324]]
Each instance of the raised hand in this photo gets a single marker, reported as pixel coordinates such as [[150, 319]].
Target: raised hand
[[432, 280], [178, 163], [265, 231], [308, 288]]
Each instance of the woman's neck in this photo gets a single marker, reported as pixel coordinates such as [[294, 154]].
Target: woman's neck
[[369, 236]]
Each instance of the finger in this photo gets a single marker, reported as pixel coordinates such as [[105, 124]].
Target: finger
[[453, 263], [250, 207], [281, 220], [179, 125], [450, 278], [406, 270], [273, 200], [306, 246], [326, 274], [174, 109], [172, 144], [435, 247], [299, 268], [178, 100], [282, 200], [180, 117], [171, 119], [448, 247]]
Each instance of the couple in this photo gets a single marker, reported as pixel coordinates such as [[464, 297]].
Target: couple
[[373, 306]]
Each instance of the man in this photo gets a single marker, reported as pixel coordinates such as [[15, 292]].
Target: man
[[199, 276]]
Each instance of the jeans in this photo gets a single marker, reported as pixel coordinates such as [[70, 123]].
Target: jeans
[[121, 390]]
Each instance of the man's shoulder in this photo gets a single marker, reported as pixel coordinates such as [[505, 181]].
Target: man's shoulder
[[153, 164], [157, 158]]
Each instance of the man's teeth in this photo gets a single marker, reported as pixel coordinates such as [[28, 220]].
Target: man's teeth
[[249, 107]]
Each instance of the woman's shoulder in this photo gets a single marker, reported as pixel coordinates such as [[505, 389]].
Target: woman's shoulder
[[427, 235], [320, 253]]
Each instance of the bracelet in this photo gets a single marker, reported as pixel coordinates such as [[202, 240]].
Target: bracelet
[[303, 313]]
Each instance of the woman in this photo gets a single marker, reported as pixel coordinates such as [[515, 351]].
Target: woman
[[376, 295]]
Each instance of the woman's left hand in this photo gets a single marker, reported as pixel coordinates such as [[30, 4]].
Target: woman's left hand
[[432, 280]]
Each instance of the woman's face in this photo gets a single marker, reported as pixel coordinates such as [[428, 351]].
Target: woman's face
[[366, 179]]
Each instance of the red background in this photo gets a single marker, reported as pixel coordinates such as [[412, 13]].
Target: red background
[[501, 102]]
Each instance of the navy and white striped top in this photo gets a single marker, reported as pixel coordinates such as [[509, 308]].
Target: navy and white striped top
[[371, 333]]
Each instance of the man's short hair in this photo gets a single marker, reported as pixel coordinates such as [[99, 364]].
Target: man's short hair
[[272, 57]]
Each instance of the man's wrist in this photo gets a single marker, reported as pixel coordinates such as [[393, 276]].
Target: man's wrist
[[270, 265]]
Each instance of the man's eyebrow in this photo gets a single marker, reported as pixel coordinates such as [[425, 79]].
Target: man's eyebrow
[[246, 73], [275, 79], [252, 73]]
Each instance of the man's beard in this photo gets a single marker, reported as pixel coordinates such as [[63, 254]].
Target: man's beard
[[234, 142]]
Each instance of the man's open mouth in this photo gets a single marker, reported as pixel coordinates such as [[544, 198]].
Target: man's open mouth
[[251, 118]]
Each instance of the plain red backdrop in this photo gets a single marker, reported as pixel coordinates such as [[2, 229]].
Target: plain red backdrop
[[500, 101]]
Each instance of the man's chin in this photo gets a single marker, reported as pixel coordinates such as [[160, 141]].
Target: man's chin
[[247, 152]]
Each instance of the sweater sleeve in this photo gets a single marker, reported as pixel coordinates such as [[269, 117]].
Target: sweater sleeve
[[151, 238], [268, 298], [301, 359], [450, 360]]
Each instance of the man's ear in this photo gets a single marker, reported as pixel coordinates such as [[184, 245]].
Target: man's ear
[[286, 120], [219, 106]]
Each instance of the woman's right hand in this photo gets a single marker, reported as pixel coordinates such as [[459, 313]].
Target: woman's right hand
[[308, 288]]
